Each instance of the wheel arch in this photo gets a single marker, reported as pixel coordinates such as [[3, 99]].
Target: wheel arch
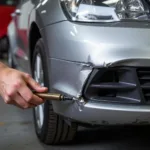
[[34, 36]]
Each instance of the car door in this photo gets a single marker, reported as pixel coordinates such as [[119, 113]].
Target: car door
[[21, 20]]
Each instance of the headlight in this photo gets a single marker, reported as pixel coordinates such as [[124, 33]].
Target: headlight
[[106, 10]]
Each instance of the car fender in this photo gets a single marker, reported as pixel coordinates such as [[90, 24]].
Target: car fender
[[44, 13]]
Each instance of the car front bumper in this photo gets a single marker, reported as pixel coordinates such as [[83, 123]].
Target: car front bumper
[[127, 107], [99, 113], [76, 49]]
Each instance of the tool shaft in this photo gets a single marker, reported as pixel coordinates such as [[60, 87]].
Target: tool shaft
[[53, 96], [50, 96]]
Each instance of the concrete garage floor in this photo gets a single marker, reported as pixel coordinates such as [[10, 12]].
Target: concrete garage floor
[[17, 133]]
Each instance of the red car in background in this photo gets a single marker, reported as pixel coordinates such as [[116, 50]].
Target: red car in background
[[7, 7]]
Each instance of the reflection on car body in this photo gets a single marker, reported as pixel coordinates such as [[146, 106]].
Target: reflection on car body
[[96, 52]]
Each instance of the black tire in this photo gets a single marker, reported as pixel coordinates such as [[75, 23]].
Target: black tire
[[54, 130], [4, 45]]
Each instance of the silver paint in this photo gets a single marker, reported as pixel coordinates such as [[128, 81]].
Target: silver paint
[[73, 76], [74, 49], [98, 45], [46, 12], [100, 113]]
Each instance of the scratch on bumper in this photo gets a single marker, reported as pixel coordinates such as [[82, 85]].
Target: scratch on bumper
[[69, 77]]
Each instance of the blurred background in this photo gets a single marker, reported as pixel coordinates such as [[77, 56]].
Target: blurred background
[[7, 7]]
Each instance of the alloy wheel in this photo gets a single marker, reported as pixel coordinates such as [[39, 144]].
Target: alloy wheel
[[39, 77]]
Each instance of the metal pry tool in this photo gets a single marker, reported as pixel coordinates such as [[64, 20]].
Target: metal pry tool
[[53, 96]]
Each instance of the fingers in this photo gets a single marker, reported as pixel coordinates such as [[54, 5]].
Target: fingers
[[20, 95], [22, 103], [33, 84], [18, 101], [14, 89], [28, 96]]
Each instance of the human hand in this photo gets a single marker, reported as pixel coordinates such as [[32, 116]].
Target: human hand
[[14, 88]]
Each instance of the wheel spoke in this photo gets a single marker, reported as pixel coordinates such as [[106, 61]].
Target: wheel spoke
[[35, 76], [38, 66], [41, 114], [38, 75]]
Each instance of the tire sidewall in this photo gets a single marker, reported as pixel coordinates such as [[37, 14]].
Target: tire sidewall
[[40, 49]]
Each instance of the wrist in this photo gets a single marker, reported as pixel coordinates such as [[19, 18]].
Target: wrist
[[3, 69]]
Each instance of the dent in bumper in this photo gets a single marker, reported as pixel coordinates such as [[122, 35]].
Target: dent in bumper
[[68, 77], [87, 47]]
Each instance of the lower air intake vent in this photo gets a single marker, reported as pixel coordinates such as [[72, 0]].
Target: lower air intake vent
[[112, 85], [103, 84], [144, 79]]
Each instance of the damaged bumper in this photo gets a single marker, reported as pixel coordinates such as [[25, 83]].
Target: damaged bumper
[[127, 105], [88, 48], [99, 113]]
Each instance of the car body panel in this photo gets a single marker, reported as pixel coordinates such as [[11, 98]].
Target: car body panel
[[12, 34], [74, 49], [21, 23], [74, 76], [85, 43], [33, 11], [98, 113], [130, 47], [46, 12]]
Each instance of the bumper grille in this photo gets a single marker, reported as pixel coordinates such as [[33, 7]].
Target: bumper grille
[[144, 80], [120, 85]]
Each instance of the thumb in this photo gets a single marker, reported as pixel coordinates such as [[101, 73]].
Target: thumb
[[34, 85]]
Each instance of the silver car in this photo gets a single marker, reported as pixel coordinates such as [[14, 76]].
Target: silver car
[[94, 51]]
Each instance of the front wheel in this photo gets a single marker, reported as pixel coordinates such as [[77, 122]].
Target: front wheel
[[50, 127]]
